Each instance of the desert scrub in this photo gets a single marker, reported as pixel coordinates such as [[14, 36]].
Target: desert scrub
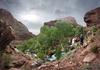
[[94, 28]]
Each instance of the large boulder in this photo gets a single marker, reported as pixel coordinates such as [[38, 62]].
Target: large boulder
[[6, 35], [93, 17], [89, 57], [21, 31]]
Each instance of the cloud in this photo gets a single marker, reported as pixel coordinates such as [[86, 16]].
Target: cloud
[[34, 12]]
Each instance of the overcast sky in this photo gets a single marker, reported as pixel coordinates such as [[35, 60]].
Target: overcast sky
[[34, 12]]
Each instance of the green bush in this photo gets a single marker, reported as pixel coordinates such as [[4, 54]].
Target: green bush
[[58, 52], [94, 28], [51, 38]]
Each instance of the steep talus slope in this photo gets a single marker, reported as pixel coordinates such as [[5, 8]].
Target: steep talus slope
[[11, 29]]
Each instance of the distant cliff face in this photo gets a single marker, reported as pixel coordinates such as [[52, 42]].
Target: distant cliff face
[[21, 31], [51, 23], [66, 19], [70, 20], [93, 17]]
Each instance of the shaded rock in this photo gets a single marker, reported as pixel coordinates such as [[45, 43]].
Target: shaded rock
[[18, 63], [21, 31], [6, 35], [93, 17], [89, 57], [51, 23]]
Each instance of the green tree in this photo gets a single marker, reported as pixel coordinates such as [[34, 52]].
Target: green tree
[[51, 38]]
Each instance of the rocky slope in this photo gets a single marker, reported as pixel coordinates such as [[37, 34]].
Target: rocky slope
[[12, 30], [82, 58], [10, 59], [93, 17], [20, 30], [86, 57]]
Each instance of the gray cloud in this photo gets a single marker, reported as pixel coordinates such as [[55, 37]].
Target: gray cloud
[[45, 10]]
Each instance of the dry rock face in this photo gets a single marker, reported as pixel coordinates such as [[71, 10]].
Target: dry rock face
[[66, 19], [93, 17], [70, 20], [10, 30], [89, 57], [6, 35], [51, 23], [20, 30]]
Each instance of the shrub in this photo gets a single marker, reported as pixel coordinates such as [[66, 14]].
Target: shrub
[[58, 52], [50, 38], [95, 49], [94, 28]]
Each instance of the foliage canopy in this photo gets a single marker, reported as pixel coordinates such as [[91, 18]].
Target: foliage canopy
[[54, 38]]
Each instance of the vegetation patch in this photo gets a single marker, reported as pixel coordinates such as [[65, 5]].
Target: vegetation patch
[[55, 39], [95, 49]]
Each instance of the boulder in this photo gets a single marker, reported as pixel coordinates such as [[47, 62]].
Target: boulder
[[89, 57], [93, 17], [6, 35]]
